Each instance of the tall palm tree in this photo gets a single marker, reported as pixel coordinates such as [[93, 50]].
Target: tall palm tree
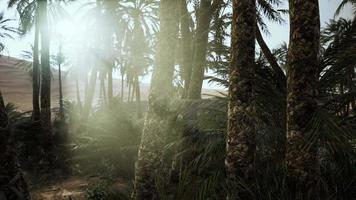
[[45, 75], [36, 82], [204, 16], [241, 125], [29, 16], [303, 64], [155, 125], [59, 61], [186, 45]]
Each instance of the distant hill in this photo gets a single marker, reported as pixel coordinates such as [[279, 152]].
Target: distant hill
[[16, 85]]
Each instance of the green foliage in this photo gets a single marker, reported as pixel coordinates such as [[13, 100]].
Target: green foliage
[[98, 191], [5, 30], [105, 190]]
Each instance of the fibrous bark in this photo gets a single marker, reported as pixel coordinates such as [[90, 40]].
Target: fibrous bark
[[36, 73], [301, 157], [45, 77], [204, 17], [187, 46], [155, 126], [241, 124]]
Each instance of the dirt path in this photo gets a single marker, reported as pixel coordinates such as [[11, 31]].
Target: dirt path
[[71, 188]]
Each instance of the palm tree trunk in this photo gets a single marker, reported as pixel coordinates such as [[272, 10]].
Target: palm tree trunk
[[187, 48], [79, 101], [301, 157], [133, 93], [45, 78], [12, 182], [282, 79], [129, 95], [204, 17], [282, 86], [155, 125], [241, 144], [110, 85], [61, 107], [102, 88], [138, 97], [36, 73], [122, 86], [89, 95]]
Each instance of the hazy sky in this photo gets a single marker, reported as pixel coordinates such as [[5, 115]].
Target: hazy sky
[[279, 33], [69, 29]]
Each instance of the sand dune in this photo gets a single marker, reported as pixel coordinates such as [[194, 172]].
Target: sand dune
[[16, 85]]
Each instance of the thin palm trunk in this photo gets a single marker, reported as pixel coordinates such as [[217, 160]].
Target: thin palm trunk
[[110, 85], [103, 89], [204, 17], [45, 78], [122, 86], [79, 101], [301, 157], [133, 92], [89, 95], [282, 79], [241, 144], [61, 107], [187, 47], [138, 97], [129, 95], [156, 125], [36, 73], [279, 147]]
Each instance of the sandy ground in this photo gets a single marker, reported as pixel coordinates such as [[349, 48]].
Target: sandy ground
[[73, 188]]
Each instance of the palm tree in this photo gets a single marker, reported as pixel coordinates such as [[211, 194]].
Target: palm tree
[[186, 45], [204, 16], [35, 13], [29, 16], [303, 64], [45, 76], [13, 184], [343, 4], [36, 82], [241, 125], [155, 125], [59, 60]]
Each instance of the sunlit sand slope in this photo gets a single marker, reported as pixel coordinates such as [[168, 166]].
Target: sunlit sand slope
[[16, 85]]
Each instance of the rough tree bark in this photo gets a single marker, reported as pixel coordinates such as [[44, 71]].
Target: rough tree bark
[[45, 77], [155, 126], [241, 125], [12, 182], [301, 159], [61, 105], [187, 46], [36, 73], [204, 17]]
